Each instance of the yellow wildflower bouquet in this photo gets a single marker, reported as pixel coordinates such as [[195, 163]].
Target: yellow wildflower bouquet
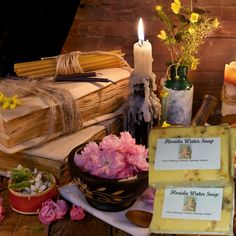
[[185, 30]]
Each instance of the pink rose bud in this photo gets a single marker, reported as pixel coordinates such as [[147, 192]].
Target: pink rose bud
[[47, 215], [60, 209], [77, 213], [49, 202], [148, 195]]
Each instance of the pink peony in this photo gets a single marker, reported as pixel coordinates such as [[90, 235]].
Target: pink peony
[[87, 157], [52, 211], [110, 142], [49, 202], [109, 164], [77, 213], [126, 140], [47, 215], [114, 157], [148, 195], [61, 209]]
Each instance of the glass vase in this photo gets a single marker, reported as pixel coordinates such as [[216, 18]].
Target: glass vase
[[178, 97]]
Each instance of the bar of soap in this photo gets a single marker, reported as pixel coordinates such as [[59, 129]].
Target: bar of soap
[[224, 225], [189, 156], [232, 148]]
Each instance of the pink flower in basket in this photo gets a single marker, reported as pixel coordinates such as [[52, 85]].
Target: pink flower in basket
[[114, 157]]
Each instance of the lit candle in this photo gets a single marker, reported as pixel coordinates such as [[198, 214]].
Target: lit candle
[[142, 54], [230, 73]]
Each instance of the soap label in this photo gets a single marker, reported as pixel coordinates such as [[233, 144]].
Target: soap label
[[188, 153], [193, 203]]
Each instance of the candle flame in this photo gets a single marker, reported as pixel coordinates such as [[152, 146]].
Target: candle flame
[[140, 30]]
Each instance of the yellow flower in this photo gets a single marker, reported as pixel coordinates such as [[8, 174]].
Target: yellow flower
[[14, 102], [158, 8], [165, 124], [10, 102], [194, 64], [162, 35], [194, 17], [216, 23], [191, 30], [163, 93], [175, 6], [6, 102]]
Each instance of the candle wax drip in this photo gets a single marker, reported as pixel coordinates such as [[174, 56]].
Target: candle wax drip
[[144, 106]]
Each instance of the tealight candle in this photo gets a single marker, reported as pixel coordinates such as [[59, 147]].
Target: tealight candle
[[142, 53]]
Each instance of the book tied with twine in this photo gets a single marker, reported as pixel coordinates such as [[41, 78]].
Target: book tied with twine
[[39, 118]]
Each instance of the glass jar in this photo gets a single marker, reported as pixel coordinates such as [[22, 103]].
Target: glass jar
[[178, 99]]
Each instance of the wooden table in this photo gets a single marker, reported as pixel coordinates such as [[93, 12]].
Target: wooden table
[[15, 224]]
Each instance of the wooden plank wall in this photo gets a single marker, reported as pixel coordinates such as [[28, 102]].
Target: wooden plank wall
[[112, 24]]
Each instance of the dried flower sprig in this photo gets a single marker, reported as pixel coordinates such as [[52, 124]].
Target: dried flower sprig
[[185, 30]]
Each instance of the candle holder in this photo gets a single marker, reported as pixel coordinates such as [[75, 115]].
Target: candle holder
[[144, 107]]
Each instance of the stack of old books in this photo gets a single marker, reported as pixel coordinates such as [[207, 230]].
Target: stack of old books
[[24, 131]]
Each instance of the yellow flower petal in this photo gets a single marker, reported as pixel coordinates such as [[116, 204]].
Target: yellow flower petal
[[6, 103], [175, 6], [158, 8], [165, 124], [194, 17], [15, 100], [191, 30], [162, 35], [12, 106], [216, 23], [163, 93], [194, 64]]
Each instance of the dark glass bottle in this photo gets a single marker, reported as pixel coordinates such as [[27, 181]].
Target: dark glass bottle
[[139, 128], [178, 78]]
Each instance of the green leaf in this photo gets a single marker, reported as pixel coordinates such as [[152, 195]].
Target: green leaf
[[18, 175], [20, 185]]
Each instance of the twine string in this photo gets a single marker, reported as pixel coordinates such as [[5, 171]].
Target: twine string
[[68, 64], [61, 104]]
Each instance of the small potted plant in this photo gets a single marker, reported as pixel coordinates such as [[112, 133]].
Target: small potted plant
[[29, 188], [184, 30], [111, 173]]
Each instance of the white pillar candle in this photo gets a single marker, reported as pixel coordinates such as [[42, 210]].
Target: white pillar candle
[[142, 54]]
